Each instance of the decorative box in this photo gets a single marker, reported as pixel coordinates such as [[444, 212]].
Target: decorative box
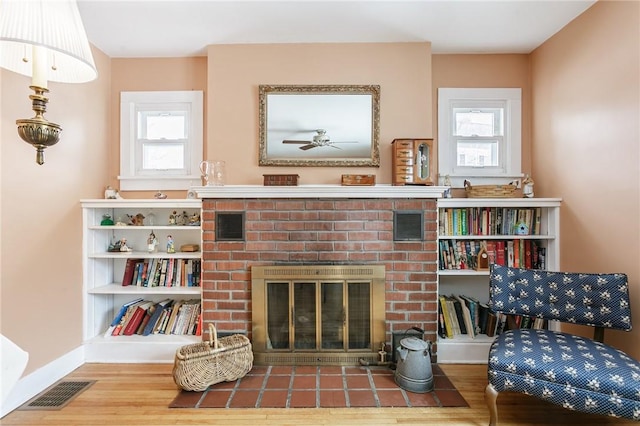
[[281, 180], [358, 180], [189, 247]]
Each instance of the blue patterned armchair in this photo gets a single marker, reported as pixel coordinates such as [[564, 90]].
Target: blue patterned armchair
[[577, 373]]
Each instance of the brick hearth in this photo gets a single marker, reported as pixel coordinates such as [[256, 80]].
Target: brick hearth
[[319, 230]]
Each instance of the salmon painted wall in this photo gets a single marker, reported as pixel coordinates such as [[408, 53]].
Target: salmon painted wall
[[403, 71], [585, 148], [41, 235], [154, 74]]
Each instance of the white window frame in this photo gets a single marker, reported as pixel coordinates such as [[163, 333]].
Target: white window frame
[[131, 179], [510, 151]]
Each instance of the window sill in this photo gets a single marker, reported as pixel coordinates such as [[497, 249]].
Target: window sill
[[159, 183]]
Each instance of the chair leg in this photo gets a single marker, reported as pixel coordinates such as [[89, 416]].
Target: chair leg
[[490, 396]]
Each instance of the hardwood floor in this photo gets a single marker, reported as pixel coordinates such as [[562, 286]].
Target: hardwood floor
[[138, 394]]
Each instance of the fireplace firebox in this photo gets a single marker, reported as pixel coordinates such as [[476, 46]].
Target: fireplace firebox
[[317, 314]]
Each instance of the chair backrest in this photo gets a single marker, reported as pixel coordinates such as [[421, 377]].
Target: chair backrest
[[598, 300]]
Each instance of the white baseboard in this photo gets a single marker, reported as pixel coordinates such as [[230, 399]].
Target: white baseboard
[[31, 385]]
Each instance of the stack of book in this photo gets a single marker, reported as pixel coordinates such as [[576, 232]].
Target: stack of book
[[168, 316], [155, 272], [518, 253], [490, 221], [464, 315]]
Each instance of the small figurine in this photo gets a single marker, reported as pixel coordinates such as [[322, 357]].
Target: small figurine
[[137, 220], [160, 195], [123, 245], [527, 187], [115, 246], [106, 220], [172, 218], [152, 243], [183, 219], [111, 194], [447, 182], [170, 247], [194, 220]]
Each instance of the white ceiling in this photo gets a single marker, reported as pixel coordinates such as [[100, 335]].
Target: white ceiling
[[162, 28]]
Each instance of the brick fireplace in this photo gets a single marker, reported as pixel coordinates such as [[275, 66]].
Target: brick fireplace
[[320, 225]]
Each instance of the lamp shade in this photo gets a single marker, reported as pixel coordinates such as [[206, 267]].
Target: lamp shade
[[54, 29]]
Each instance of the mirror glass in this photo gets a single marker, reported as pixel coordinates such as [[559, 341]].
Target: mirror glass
[[319, 125]]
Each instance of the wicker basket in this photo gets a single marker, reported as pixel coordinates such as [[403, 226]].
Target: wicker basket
[[200, 365], [489, 191]]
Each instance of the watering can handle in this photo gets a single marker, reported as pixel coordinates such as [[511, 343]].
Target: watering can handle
[[402, 352], [427, 351]]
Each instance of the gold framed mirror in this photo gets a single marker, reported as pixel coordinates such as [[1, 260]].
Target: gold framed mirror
[[333, 125]]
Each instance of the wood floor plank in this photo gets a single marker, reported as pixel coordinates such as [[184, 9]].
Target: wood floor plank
[[139, 395]]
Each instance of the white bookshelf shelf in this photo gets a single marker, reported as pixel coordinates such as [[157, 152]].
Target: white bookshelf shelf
[[137, 290], [103, 272], [469, 282]]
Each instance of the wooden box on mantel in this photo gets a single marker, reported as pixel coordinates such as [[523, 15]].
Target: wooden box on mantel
[[281, 180], [358, 180]]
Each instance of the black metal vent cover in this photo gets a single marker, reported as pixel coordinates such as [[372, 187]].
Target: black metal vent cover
[[408, 225], [230, 226]]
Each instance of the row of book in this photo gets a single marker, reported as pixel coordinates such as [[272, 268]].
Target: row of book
[[463, 254], [460, 314], [143, 317], [490, 221], [156, 272]]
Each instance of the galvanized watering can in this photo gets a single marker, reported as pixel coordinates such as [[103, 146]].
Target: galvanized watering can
[[413, 370]]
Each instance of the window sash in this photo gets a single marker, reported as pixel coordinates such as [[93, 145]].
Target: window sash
[[184, 145]]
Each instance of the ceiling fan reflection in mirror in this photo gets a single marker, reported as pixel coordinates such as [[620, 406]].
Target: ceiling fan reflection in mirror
[[320, 139]]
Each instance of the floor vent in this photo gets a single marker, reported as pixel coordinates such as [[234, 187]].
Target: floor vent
[[57, 396]]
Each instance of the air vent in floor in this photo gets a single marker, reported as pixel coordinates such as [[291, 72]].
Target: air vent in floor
[[57, 396]]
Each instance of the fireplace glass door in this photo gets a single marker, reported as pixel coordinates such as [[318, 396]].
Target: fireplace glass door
[[319, 315]]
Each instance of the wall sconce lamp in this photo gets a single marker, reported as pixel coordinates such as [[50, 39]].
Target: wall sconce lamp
[[45, 40]]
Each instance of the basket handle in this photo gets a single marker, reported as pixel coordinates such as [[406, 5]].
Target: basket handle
[[213, 336]]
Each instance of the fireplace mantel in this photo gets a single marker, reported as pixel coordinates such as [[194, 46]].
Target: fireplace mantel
[[320, 191]]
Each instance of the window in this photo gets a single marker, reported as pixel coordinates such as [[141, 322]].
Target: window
[[479, 133], [161, 140]]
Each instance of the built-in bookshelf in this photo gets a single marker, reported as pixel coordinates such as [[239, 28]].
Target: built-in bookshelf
[[162, 252], [512, 231]]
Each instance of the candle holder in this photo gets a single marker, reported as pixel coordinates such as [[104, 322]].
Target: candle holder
[[38, 131]]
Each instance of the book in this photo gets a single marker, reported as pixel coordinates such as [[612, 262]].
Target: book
[[129, 270], [474, 307], [457, 304], [484, 310], [510, 254], [492, 321], [537, 221], [140, 267], [173, 317], [528, 254], [136, 318], [466, 317], [158, 309], [118, 317], [143, 275], [118, 329], [446, 317], [163, 273], [148, 276], [500, 253], [453, 318], [169, 273]]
